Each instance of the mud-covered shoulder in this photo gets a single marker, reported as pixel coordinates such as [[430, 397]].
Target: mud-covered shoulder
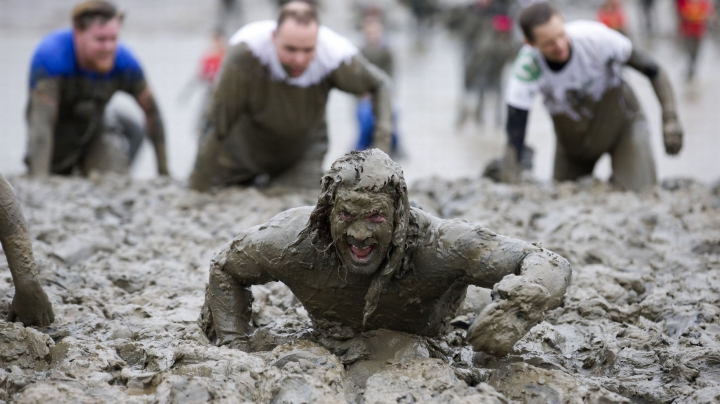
[[266, 243], [241, 57], [469, 249]]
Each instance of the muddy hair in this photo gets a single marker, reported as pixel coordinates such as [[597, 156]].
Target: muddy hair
[[87, 13], [535, 15], [302, 12], [348, 172]]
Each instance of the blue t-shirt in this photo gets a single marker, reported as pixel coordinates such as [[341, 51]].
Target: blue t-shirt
[[55, 57]]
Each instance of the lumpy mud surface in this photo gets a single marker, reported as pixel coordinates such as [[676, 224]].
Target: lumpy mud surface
[[125, 265]]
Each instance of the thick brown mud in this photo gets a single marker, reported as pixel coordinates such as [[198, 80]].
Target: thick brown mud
[[125, 266]]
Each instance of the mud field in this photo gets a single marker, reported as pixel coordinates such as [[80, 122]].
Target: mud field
[[125, 264]]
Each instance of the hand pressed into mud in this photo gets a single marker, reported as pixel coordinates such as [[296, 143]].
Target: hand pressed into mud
[[518, 307], [31, 306], [673, 136]]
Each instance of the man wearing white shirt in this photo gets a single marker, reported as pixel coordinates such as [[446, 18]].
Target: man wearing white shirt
[[266, 118], [577, 67]]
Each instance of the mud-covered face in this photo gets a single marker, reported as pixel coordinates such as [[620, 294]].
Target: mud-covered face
[[361, 224]]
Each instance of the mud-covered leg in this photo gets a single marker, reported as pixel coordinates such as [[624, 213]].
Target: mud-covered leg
[[569, 169], [30, 304], [225, 316], [520, 302], [633, 163]]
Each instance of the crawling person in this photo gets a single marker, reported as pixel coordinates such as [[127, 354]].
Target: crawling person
[[73, 75], [363, 260], [577, 67], [266, 120], [30, 304]]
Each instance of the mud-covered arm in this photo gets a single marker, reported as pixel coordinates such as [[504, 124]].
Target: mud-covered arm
[[672, 131], [359, 76], [42, 117], [229, 298], [30, 304], [154, 126], [530, 281]]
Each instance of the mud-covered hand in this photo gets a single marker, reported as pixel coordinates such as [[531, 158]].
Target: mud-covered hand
[[31, 306], [672, 135], [518, 304]]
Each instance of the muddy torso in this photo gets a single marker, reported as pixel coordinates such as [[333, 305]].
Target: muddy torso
[[279, 120], [419, 301]]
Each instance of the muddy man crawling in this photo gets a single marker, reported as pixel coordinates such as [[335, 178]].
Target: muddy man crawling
[[362, 259]]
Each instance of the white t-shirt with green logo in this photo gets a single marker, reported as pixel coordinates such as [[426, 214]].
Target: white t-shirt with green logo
[[595, 66]]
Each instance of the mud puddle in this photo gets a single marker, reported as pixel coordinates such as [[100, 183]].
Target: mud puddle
[[125, 265]]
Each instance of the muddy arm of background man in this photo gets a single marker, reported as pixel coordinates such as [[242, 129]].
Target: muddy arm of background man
[[516, 127], [528, 281], [42, 117], [30, 305], [154, 127], [359, 77], [672, 132], [228, 297], [227, 102]]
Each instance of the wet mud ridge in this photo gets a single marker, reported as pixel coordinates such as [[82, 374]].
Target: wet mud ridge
[[125, 265]]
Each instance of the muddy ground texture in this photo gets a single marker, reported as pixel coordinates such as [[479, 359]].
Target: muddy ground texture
[[125, 265]]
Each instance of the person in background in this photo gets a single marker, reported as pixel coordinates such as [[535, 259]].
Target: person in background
[[73, 74], [485, 29], [612, 14], [577, 67], [267, 116], [377, 51], [694, 16], [208, 69]]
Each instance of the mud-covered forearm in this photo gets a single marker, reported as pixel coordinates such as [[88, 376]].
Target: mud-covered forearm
[[382, 108], [155, 129], [30, 304], [643, 63], [14, 237], [535, 281], [232, 273], [361, 77], [42, 117], [231, 306]]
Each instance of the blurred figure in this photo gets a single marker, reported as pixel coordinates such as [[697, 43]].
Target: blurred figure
[[377, 52], [229, 15], [577, 67], [648, 14], [208, 69], [423, 12], [73, 75], [30, 304], [266, 120], [612, 14], [694, 16], [485, 28]]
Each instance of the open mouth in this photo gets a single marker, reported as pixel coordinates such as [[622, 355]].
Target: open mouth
[[361, 254]]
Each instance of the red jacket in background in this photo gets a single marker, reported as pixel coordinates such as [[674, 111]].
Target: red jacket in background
[[693, 17]]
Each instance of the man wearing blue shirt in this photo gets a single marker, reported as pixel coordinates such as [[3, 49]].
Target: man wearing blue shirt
[[74, 73]]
